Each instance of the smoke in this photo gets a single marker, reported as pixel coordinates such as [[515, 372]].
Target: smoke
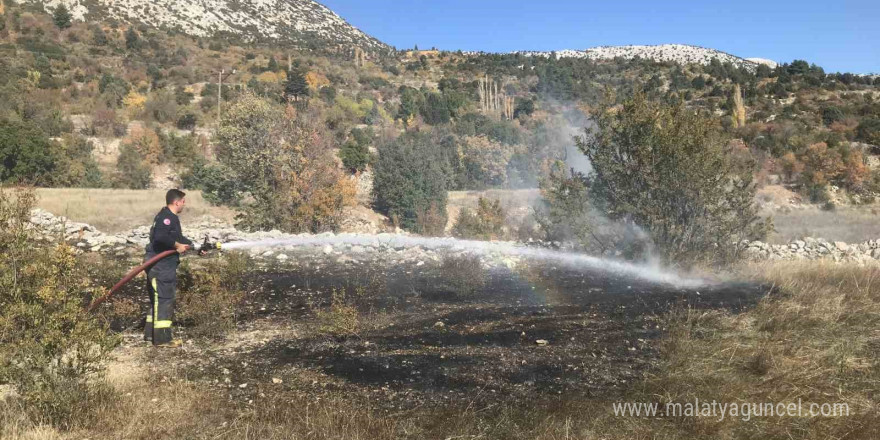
[[574, 123], [650, 273]]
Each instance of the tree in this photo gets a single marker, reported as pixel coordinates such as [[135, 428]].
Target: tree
[[435, 110], [133, 171], [285, 164], [26, 153], [868, 131], [409, 179], [273, 64], [132, 39], [296, 86], [62, 17], [665, 168], [355, 153], [485, 162]]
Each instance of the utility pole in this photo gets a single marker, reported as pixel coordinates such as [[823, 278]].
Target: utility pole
[[219, 95]]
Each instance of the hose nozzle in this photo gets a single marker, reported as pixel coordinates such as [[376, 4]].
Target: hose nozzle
[[208, 246]]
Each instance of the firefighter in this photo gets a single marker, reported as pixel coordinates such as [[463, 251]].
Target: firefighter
[[165, 235]]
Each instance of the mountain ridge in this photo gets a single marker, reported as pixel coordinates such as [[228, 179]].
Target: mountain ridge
[[301, 22], [680, 53]]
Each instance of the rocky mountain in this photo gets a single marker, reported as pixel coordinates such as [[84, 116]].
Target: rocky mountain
[[302, 22], [679, 53]]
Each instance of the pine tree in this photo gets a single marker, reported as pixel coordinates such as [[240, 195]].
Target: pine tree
[[273, 64], [132, 39], [297, 85], [62, 17]]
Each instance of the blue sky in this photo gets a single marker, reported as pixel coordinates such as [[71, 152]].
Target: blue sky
[[837, 35]]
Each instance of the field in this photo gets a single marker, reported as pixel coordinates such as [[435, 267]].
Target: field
[[431, 356], [116, 210], [119, 210], [847, 224]]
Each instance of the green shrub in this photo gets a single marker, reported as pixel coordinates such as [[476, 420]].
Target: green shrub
[[50, 347], [132, 171], [76, 166], [26, 153], [214, 182], [179, 150], [355, 157], [409, 177], [485, 223], [666, 169]]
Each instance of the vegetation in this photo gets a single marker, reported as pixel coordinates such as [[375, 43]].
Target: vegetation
[[49, 345], [410, 180], [669, 171], [211, 297], [487, 222], [281, 160]]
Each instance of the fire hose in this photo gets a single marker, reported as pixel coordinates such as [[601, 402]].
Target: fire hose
[[134, 272]]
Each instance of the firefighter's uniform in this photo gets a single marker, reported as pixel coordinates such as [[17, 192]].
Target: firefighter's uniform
[[162, 276]]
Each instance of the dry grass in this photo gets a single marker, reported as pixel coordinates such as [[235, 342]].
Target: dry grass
[[847, 224], [815, 339], [119, 210]]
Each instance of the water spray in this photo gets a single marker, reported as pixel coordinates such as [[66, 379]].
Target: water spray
[[652, 273]]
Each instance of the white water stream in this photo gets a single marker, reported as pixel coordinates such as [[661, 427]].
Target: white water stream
[[652, 273]]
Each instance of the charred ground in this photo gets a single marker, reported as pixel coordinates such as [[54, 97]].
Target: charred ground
[[431, 333]]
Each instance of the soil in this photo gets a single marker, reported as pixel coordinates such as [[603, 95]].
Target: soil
[[520, 334]]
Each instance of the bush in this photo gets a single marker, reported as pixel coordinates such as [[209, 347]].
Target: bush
[[133, 171], [409, 176], [486, 223], [180, 150], [285, 164], [355, 154], [665, 168], [463, 274], [187, 121], [76, 166], [211, 297], [341, 318], [26, 153], [868, 131], [214, 182], [49, 345]]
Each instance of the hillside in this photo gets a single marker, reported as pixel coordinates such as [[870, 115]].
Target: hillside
[[675, 53], [301, 22]]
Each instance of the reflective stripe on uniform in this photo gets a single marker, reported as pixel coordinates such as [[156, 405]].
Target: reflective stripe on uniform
[[162, 324], [149, 318], [155, 300]]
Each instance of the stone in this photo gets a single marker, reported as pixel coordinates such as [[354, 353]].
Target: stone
[[276, 380], [281, 257], [439, 325], [841, 246], [875, 254], [328, 249], [542, 342]]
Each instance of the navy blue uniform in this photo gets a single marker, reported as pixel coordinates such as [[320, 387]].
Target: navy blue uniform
[[162, 276]]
